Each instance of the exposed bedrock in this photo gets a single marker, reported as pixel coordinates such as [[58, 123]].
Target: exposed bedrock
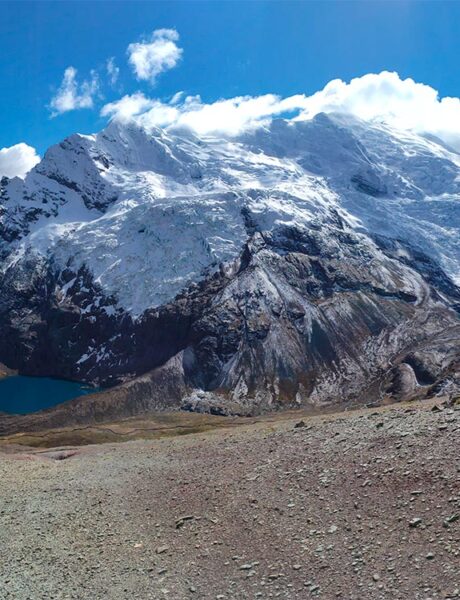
[[303, 317], [302, 263]]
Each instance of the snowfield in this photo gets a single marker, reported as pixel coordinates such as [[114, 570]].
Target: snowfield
[[150, 212]]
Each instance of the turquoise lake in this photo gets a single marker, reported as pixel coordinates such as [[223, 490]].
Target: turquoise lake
[[22, 395]]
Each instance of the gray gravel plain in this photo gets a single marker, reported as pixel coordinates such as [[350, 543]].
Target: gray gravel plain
[[357, 506]]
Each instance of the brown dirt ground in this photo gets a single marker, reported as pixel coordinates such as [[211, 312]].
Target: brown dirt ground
[[236, 509]]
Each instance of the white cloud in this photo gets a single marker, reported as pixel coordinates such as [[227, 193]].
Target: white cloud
[[112, 71], [150, 58], [235, 115], [226, 116], [386, 97], [402, 103], [17, 160], [127, 107], [71, 95]]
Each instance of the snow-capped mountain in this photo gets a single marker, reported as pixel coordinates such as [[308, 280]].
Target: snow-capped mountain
[[306, 261]]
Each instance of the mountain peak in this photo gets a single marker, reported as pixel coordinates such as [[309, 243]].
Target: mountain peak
[[236, 240]]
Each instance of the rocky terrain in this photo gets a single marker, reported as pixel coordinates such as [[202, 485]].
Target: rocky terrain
[[357, 505], [300, 264], [5, 371]]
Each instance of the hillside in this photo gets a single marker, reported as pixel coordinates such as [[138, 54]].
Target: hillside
[[301, 263], [354, 505]]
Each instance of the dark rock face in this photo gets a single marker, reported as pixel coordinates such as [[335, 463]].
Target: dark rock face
[[295, 328], [369, 183], [302, 317], [317, 273]]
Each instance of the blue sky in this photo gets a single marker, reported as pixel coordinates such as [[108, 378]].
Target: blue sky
[[227, 49]]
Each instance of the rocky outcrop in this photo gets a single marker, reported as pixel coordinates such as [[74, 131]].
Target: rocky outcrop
[[231, 277], [303, 317], [160, 389]]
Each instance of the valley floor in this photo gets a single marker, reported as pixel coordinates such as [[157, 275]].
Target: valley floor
[[360, 505]]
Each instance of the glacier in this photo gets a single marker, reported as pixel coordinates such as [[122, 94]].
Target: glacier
[[124, 233], [149, 212]]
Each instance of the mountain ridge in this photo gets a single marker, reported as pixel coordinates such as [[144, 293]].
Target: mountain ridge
[[294, 264]]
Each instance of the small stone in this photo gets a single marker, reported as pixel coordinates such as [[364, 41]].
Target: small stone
[[162, 549], [452, 518], [182, 520], [415, 522]]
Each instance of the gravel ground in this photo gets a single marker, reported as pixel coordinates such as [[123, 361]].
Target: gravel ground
[[358, 506]]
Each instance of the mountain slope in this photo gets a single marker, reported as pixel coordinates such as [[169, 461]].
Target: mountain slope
[[304, 262]]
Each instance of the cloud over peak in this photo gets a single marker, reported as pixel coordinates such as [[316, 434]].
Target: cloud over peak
[[71, 95], [152, 57], [231, 116], [402, 103], [17, 160]]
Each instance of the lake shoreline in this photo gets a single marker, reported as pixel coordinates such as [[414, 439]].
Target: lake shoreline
[[23, 394], [6, 371]]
